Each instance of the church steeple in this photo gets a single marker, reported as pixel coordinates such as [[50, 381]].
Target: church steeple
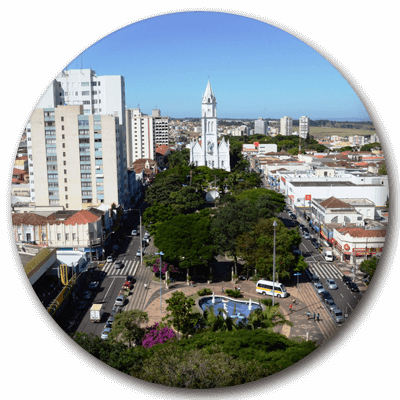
[[209, 95]]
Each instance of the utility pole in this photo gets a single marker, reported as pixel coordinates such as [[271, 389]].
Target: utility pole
[[297, 274]]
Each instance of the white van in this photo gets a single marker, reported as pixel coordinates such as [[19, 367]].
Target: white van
[[267, 287]]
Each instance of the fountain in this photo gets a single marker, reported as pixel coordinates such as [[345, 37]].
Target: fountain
[[250, 304], [213, 298]]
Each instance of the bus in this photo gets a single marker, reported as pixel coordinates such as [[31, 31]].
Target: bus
[[265, 287]]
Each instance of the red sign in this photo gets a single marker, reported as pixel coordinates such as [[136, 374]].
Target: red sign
[[283, 179], [346, 247], [256, 144], [308, 197]]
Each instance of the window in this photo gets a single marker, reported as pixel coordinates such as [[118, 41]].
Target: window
[[63, 136], [67, 236], [62, 127], [94, 83], [65, 163], [74, 236], [59, 236], [65, 180], [62, 119], [63, 145], [84, 83], [94, 92], [85, 93], [66, 205], [64, 154], [65, 171], [86, 102], [66, 188]]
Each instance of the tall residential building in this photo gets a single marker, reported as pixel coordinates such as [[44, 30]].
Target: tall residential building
[[304, 127], [160, 125], [142, 141], [77, 160], [104, 95], [260, 126], [286, 126]]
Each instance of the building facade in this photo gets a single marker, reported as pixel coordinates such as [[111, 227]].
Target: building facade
[[286, 126], [304, 127], [77, 160], [260, 126], [210, 152]]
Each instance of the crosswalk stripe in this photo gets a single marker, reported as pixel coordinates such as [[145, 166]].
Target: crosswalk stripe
[[324, 270]]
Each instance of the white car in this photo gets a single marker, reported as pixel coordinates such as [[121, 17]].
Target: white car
[[331, 284], [118, 264], [138, 253], [134, 232], [110, 259]]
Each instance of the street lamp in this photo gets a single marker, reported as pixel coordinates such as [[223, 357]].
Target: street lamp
[[273, 269], [161, 254]]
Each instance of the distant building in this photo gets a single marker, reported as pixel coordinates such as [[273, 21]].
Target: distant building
[[260, 126], [286, 126], [304, 127]]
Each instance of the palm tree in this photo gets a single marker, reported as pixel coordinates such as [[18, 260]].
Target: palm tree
[[219, 322], [268, 318]]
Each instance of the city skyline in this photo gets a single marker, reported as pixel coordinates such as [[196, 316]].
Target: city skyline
[[255, 69]]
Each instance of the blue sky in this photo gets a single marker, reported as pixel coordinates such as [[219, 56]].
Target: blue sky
[[255, 69]]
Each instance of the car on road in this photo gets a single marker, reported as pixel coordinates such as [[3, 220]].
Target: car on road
[[315, 278], [331, 284], [110, 259], [346, 279], [331, 304], [314, 242], [319, 287], [94, 285], [325, 295], [110, 319], [306, 236], [296, 250], [337, 315], [115, 311], [118, 264], [105, 333], [130, 278], [138, 253], [353, 287], [134, 232], [293, 216]]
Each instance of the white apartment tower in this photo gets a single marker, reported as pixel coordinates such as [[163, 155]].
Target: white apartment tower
[[104, 95], [286, 126], [304, 127], [260, 126], [77, 159], [209, 152], [160, 125]]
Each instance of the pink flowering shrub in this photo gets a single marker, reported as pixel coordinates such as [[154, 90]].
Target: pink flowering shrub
[[157, 335], [164, 267]]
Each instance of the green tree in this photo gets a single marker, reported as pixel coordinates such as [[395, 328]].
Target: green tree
[[127, 326], [369, 266], [181, 316], [256, 248], [186, 199], [382, 169], [178, 158], [157, 214], [268, 318], [185, 240], [159, 192], [170, 365]]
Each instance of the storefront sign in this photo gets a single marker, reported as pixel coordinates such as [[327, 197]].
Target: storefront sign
[[307, 197], [346, 247]]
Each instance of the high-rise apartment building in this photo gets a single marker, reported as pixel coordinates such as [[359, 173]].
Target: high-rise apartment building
[[286, 126], [304, 127], [260, 126], [104, 95], [144, 132], [77, 159]]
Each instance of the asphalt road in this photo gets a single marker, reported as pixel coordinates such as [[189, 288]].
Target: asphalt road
[[111, 279], [342, 296]]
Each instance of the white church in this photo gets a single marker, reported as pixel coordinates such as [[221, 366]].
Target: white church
[[209, 152]]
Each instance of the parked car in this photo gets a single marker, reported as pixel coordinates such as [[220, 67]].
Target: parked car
[[94, 285], [331, 284], [110, 259], [319, 287], [105, 333], [346, 279], [134, 232], [353, 287], [293, 216], [317, 281], [315, 278], [314, 242], [110, 319], [337, 315], [118, 264], [296, 250], [325, 295], [115, 311], [130, 279], [331, 304], [306, 236], [138, 253]]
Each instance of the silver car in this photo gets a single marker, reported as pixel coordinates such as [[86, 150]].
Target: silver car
[[105, 333], [337, 315], [319, 288], [331, 284]]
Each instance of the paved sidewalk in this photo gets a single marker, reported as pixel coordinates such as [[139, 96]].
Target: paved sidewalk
[[307, 329]]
